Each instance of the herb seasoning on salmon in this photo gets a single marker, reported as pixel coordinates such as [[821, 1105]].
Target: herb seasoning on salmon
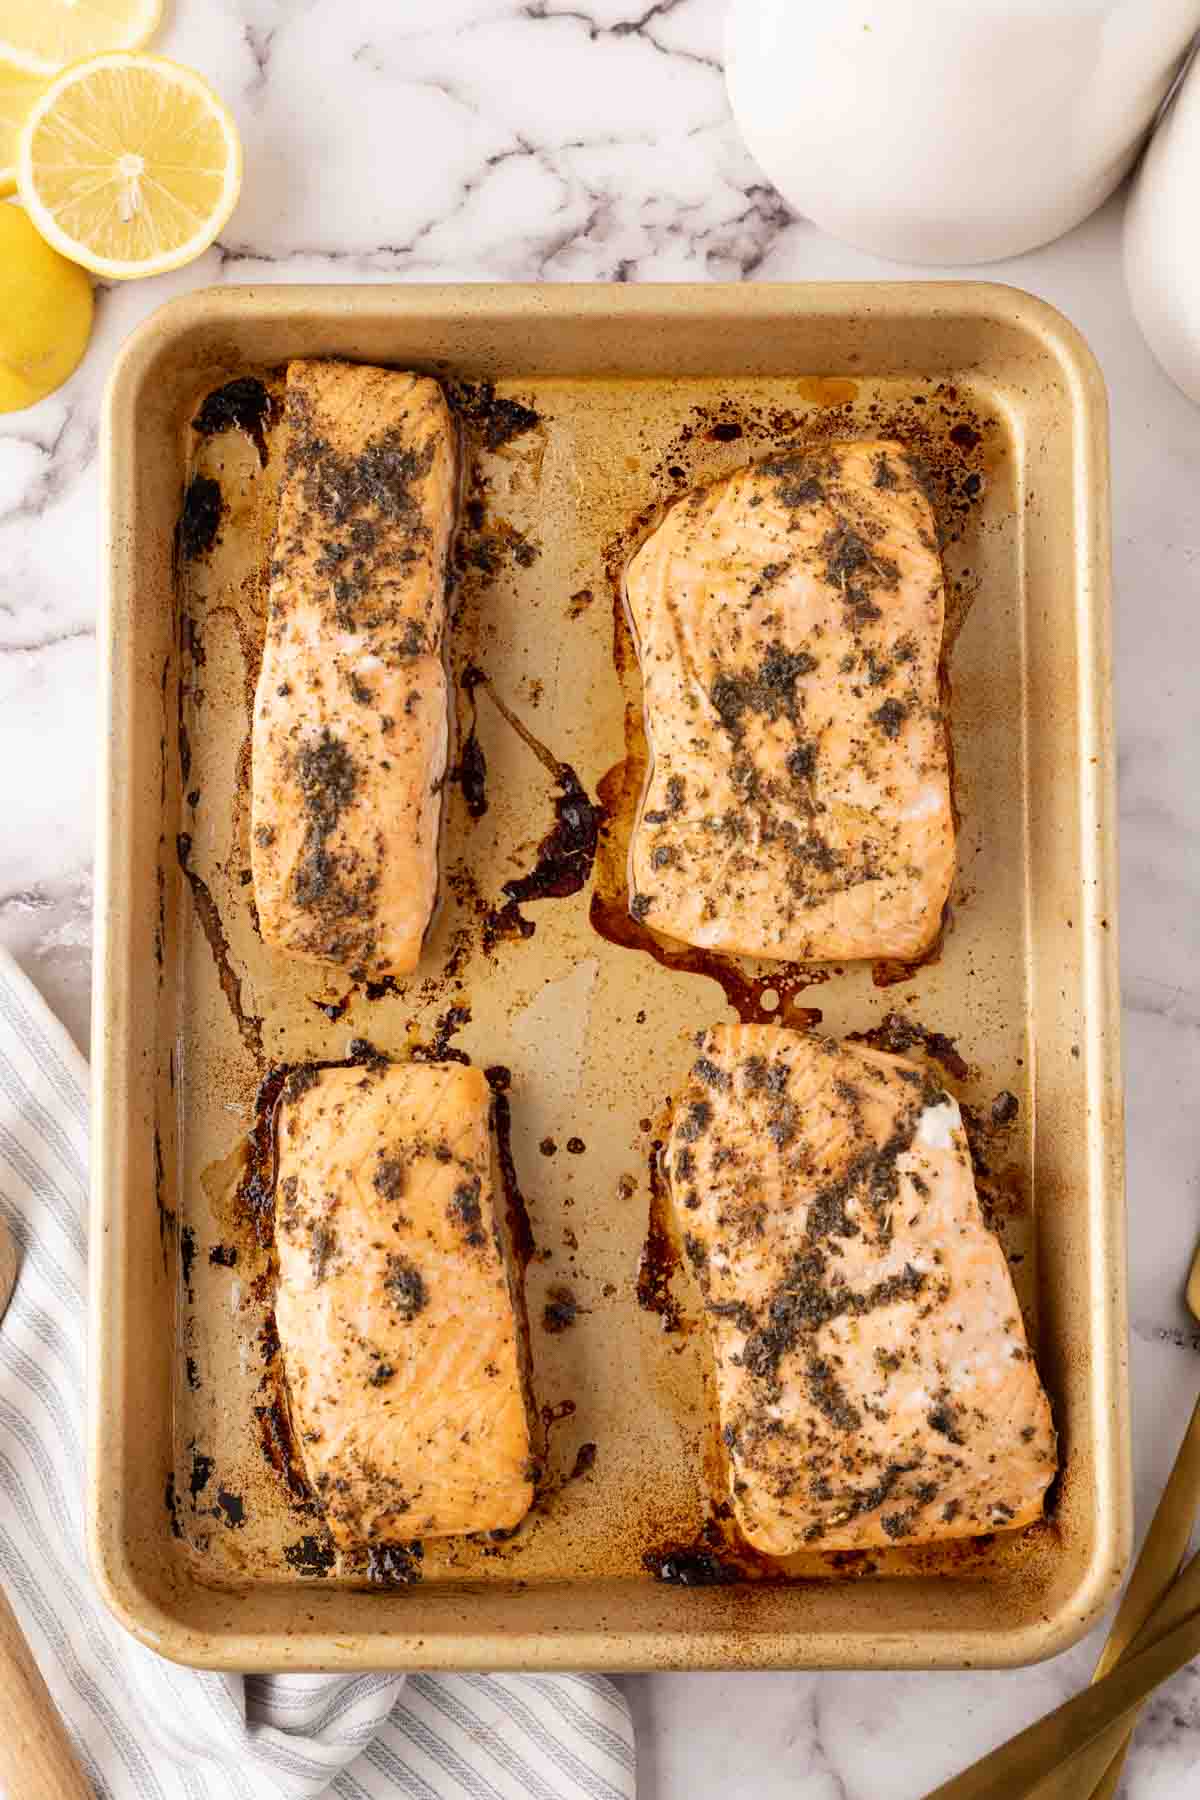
[[789, 626], [351, 711], [399, 1307], [874, 1381]]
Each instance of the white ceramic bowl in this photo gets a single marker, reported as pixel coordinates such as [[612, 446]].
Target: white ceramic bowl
[[1162, 240], [950, 131]]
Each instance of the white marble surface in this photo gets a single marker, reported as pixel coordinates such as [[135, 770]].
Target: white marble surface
[[396, 140]]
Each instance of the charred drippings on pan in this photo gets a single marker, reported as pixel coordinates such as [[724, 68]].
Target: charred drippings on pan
[[659, 1260], [489, 417], [311, 1555], [440, 1049], [487, 544], [690, 1566], [1000, 1181], [256, 1190], [565, 855], [334, 1009], [719, 1556], [187, 1259], [471, 773], [564, 861], [554, 1415], [585, 1462], [560, 1311], [243, 404], [487, 549], [1004, 1108], [899, 1036], [277, 1434], [520, 1231], [201, 1473], [199, 518], [378, 990], [249, 1024], [231, 1509], [167, 1220], [171, 1500]]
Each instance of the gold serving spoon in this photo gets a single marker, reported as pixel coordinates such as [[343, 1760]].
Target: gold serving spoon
[[1156, 1631], [37, 1761]]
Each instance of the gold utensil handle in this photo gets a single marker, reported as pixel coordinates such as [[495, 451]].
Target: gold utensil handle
[[1076, 1779], [1165, 1547], [1163, 1551], [1016, 1767], [37, 1761]]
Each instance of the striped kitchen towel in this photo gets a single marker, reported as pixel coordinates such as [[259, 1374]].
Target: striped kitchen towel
[[144, 1727]]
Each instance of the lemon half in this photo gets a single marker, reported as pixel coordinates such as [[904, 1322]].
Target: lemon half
[[45, 313], [42, 36], [18, 91], [129, 164]]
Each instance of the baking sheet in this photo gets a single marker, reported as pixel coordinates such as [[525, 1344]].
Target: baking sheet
[[587, 1016]]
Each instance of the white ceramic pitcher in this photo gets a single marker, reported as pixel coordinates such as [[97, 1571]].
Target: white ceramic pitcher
[[950, 131]]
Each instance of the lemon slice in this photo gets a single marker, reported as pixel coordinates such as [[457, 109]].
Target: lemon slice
[[42, 35], [129, 164], [18, 91]]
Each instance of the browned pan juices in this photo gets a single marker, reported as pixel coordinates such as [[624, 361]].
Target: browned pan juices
[[534, 965]]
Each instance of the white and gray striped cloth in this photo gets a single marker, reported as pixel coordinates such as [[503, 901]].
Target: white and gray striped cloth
[[145, 1729]]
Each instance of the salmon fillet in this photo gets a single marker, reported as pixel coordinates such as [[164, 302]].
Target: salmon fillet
[[873, 1377], [351, 712], [399, 1312], [789, 625]]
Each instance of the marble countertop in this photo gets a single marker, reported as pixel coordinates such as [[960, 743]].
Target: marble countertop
[[564, 140]]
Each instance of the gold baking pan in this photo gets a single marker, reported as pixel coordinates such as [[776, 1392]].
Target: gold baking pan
[[606, 402]]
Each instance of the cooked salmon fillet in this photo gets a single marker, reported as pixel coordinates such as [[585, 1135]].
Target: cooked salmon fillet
[[873, 1377], [399, 1310], [789, 625], [351, 712]]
